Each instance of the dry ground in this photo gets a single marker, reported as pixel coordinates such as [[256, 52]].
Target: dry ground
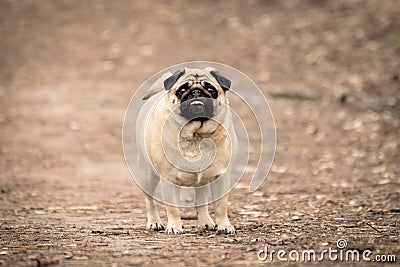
[[69, 68]]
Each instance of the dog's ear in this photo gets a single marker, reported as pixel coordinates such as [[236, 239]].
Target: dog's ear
[[169, 82], [224, 82]]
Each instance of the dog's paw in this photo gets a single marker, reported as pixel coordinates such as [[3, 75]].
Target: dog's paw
[[206, 223], [156, 226], [225, 229], [174, 229], [207, 227]]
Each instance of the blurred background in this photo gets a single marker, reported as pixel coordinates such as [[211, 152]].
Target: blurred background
[[68, 69]]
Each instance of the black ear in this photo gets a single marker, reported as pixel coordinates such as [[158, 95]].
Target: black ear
[[224, 82], [169, 82]]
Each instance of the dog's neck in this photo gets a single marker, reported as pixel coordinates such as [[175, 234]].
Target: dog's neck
[[199, 129]]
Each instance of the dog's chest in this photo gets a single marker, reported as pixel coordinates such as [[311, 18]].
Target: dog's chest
[[194, 156], [208, 154], [191, 148]]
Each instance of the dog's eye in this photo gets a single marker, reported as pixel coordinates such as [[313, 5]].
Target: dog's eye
[[211, 89], [182, 89]]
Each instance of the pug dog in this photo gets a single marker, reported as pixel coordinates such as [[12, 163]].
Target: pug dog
[[185, 137]]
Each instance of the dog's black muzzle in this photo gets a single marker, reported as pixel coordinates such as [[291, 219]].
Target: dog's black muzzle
[[197, 104]]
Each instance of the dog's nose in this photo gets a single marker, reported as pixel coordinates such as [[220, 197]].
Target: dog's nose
[[196, 93]]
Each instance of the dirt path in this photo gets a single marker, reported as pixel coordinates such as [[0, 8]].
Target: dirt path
[[69, 69]]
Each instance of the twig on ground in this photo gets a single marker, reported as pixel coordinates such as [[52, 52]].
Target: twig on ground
[[304, 95], [379, 231], [365, 99]]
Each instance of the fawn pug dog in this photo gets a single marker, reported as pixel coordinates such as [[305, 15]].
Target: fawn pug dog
[[180, 112]]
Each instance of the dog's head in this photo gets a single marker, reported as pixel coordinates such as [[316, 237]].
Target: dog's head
[[197, 93]]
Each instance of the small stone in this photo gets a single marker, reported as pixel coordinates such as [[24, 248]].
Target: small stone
[[68, 255], [39, 212], [81, 258], [332, 201], [352, 125], [279, 169], [379, 169], [384, 181], [311, 130], [258, 194], [74, 126], [296, 218], [254, 240]]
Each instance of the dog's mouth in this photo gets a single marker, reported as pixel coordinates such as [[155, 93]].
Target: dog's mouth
[[196, 104]]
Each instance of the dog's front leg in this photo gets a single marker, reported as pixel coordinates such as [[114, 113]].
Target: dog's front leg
[[153, 219], [220, 188], [205, 221], [221, 214], [171, 197]]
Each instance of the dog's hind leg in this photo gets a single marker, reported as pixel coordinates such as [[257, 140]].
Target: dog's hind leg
[[149, 185], [153, 218]]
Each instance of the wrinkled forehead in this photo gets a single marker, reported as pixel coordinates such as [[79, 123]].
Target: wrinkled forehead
[[197, 75]]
